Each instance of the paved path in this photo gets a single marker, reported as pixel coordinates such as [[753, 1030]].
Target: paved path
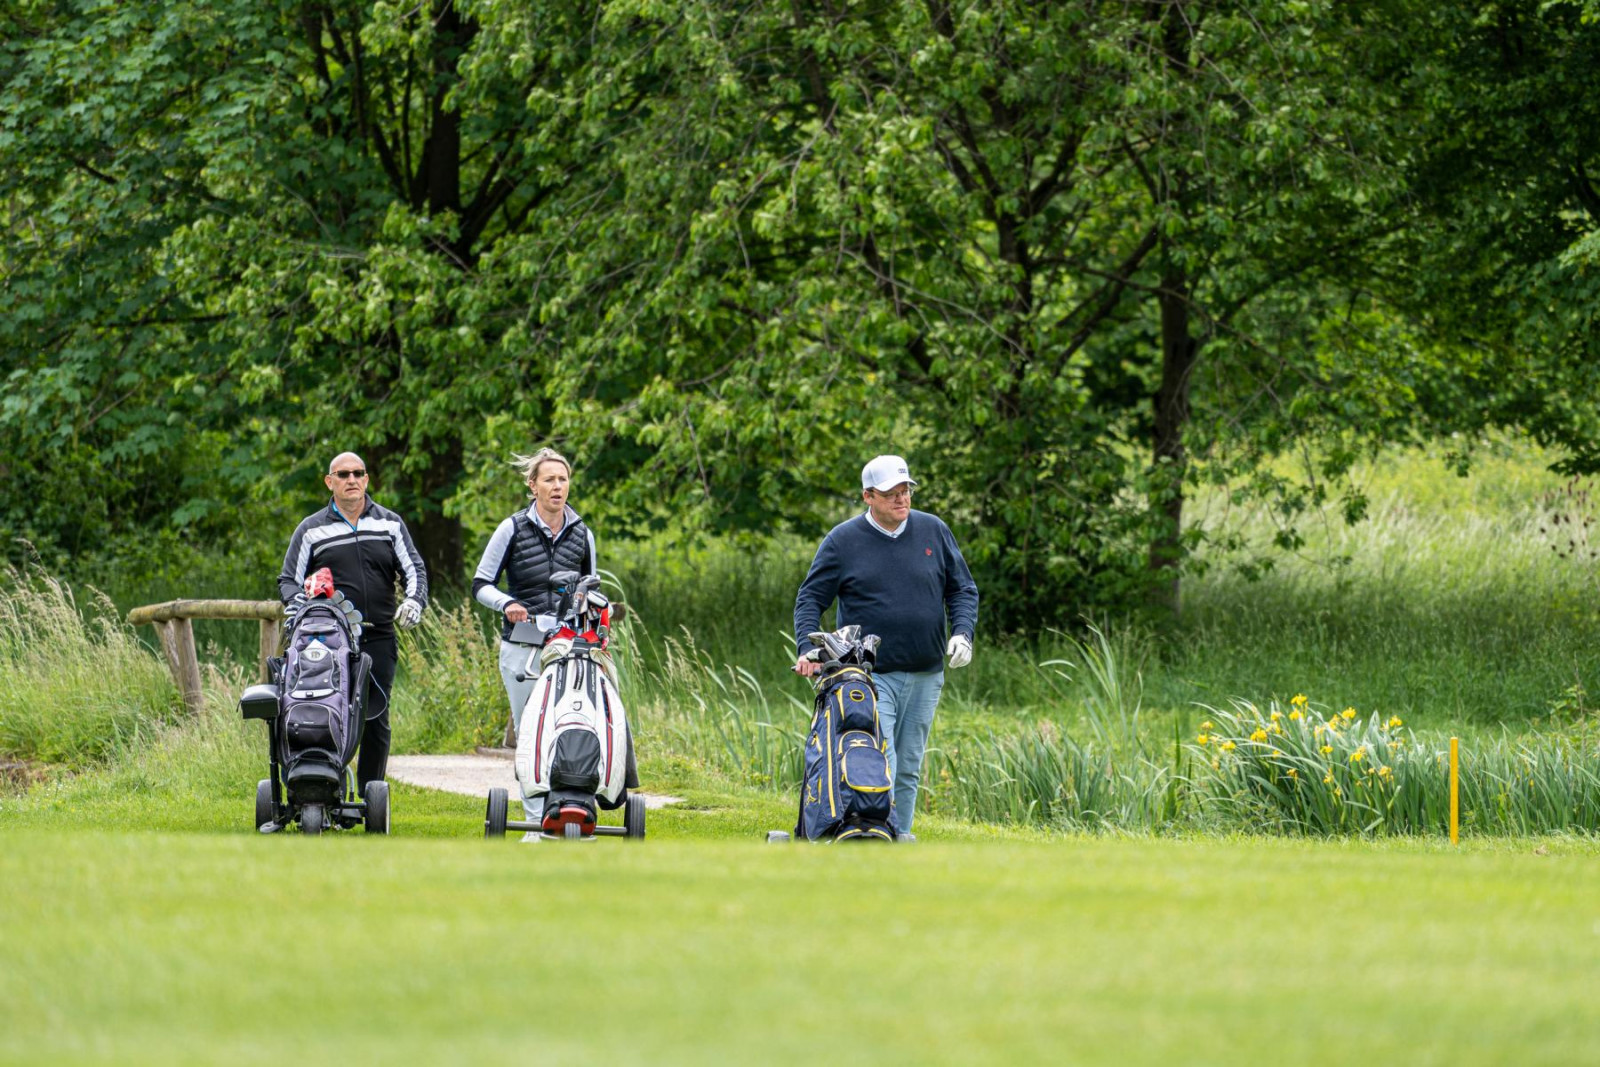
[[475, 775]]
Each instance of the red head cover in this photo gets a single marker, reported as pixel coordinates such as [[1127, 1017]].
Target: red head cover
[[320, 583]]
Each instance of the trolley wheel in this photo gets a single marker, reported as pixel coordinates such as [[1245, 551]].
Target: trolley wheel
[[571, 831], [264, 802], [633, 818], [311, 819], [494, 820], [376, 794]]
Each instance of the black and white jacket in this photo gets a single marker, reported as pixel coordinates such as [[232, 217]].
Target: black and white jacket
[[366, 559]]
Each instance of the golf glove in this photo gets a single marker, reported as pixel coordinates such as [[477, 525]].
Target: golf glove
[[959, 650], [408, 614]]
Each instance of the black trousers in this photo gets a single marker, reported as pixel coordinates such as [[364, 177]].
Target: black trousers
[[373, 758]]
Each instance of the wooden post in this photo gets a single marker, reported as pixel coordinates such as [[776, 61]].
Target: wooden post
[[271, 643], [169, 648], [189, 661]]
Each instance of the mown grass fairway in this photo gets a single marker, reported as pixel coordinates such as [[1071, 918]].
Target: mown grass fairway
[[203, 948]]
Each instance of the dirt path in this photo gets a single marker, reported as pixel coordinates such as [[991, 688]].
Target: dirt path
[[475, 775]]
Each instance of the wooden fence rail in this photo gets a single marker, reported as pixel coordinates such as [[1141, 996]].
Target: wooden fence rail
[[173, 626]]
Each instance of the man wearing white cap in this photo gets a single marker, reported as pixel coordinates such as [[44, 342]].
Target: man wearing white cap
[[896, 573]]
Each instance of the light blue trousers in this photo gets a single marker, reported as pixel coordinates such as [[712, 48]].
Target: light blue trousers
[[906, 703]]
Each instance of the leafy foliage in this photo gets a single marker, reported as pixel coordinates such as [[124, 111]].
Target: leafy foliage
[[1072, 259]]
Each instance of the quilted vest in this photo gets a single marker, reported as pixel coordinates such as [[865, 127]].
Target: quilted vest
[[532, 558]]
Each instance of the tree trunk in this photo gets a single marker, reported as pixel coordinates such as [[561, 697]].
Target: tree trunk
[[442, 156], [1178, 352], [439, 536]]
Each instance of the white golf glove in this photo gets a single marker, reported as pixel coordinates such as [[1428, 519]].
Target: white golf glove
[[959, 650], [408, 614]]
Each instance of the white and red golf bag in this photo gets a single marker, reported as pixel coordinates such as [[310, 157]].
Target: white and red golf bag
[[573, 745]]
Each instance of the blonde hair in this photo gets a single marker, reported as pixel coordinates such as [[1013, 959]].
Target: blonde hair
[[529, 465]]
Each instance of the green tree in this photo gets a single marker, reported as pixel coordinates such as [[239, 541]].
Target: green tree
[[1502, 241], [999, 237], [265, 226]]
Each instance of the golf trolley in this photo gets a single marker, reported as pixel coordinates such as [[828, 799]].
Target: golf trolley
[[574, 748], [315, 707]]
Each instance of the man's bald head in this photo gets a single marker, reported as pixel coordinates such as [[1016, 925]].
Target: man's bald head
[[346, 461]]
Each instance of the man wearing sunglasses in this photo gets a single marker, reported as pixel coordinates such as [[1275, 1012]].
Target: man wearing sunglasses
[[897, 573], [370, 551]]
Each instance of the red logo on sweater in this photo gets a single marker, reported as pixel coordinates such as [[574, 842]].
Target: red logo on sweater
[[927, 552]]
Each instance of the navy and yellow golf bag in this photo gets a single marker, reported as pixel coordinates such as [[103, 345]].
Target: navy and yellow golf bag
[[847, 788]]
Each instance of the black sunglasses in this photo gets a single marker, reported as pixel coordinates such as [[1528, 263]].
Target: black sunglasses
[[348, 474]]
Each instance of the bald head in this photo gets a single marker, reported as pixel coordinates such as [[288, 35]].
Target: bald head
[[345, 461]]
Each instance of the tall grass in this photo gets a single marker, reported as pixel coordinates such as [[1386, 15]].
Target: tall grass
[[450, 698], [76, 685], [1446, 605], [1041, 776], [1280, 768], [720, 716], [1292, 769]]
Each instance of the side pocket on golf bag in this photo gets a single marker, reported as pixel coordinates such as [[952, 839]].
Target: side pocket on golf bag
[[311, 725], [864, 774]]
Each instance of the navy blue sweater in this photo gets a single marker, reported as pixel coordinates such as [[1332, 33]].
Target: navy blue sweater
[[896, 587]]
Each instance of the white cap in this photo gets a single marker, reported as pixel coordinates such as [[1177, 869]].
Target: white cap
[[884, 473]]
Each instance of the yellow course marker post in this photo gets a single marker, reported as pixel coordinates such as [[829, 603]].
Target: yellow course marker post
[[1455, 791]]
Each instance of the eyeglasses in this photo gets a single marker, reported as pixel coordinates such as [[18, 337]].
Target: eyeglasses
[[894, 494], [348, 474]]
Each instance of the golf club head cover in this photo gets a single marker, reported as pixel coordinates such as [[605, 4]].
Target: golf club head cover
[[320, 583]]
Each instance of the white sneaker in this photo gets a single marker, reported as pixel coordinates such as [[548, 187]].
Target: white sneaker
[[531, 837]]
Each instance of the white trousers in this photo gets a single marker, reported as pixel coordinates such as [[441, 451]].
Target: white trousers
[[515, 658]]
